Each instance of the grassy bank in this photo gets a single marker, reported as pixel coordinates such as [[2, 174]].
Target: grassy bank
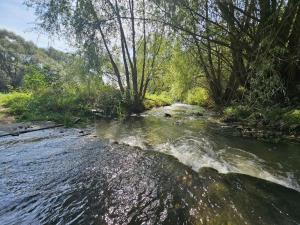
[[281, 120], [41, 107], [62, 105]]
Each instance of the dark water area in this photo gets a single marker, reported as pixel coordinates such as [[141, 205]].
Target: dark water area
[[162, 171]]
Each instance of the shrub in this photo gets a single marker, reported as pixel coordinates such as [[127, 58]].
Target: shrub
[[292, 116], [17, 102], [34, 80], [109, 102], [266, 87], [153, 100], [197, 96], [240, 112], [62, 103], [274, 113]]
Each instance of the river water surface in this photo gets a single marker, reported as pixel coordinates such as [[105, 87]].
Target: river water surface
[[149, 169], [198, 141]]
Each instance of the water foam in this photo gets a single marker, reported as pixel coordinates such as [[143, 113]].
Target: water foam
[[197, 153]]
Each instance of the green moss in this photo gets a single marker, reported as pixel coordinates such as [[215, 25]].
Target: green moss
[[217, 189]]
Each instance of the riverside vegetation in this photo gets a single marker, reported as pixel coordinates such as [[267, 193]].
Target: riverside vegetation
[[172, 88], [239, 58]]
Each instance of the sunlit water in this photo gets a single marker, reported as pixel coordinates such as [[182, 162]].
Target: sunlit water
[[69, 176], [198, 141]]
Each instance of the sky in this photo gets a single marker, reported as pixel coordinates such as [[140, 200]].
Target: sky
[[16, 17]]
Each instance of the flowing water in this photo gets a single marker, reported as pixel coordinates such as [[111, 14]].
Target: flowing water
[[198, 141], [183, 169]]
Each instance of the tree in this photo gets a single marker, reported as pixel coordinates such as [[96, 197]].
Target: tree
[[34, 79], [118, 27], [16, 55], [235, 39], [10, 70]]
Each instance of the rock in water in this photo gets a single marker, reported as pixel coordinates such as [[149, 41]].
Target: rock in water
[[168, 115]]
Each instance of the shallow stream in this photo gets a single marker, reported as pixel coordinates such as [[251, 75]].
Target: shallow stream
[[197, 140], [183, 169]]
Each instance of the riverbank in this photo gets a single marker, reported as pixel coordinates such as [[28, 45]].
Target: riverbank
[[272, 124], [9, 126]]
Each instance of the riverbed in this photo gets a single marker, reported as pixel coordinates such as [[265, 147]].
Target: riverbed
[[171, 165]]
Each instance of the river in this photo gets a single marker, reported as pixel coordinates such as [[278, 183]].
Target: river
[[149, 169]]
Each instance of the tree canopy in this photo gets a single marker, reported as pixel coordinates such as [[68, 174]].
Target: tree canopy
[[246, 50]]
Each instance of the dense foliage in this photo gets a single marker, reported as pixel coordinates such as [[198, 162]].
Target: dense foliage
[[111, 27], [140, 54], [18, 56], [251, 46]]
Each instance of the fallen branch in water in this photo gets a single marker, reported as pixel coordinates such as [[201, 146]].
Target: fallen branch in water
[[31, 130]]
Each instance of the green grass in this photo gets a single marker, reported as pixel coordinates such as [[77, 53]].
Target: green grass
[[16, 102], [43, 106], [61, 104], [196, 96], [6, 99], [2, 114]]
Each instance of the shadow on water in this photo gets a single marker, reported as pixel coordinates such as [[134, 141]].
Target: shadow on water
[[61, 177]]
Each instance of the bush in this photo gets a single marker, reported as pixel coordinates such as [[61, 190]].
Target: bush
[[153, 100], [239, 112], [197, 96], [266, 87], [62, 103], [292, 117], [46, 104], [34, 80], [110, 102], [17, 102]]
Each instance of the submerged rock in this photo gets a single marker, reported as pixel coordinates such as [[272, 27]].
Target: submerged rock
[[167, 115]]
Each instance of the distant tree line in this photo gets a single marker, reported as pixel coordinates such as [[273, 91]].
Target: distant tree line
[[18, 57]]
